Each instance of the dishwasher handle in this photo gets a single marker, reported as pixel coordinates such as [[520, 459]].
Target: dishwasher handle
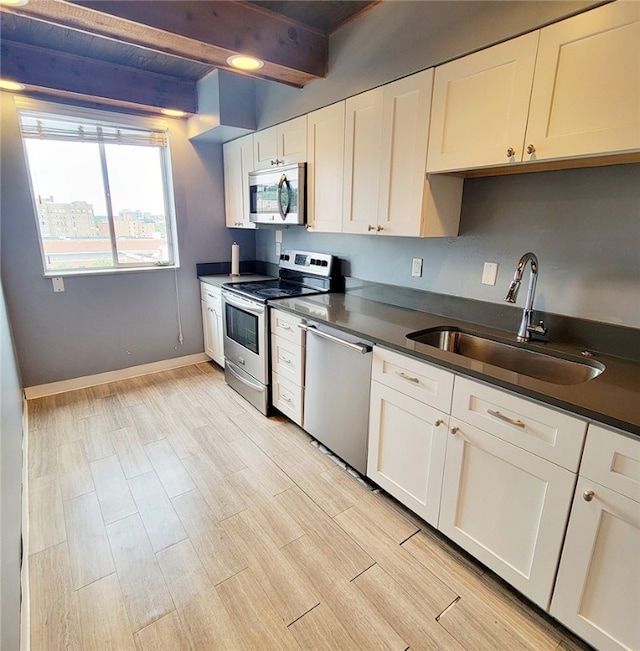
[[361, 348]]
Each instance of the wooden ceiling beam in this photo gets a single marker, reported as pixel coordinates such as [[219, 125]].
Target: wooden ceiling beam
[[206, 31], [92, 79]]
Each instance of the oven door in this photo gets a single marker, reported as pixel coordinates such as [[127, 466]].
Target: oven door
[[245, 335]]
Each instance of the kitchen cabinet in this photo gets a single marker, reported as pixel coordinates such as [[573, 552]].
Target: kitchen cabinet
[[281, 144], [508, 484], [567, 91], [238, 162], [287, 364], [407, 434], [480, 105], [325, 168], [386, 189], [597, 593], [211, 302]]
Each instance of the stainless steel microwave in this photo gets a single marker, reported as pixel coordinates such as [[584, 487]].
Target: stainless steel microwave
[[278, 195]]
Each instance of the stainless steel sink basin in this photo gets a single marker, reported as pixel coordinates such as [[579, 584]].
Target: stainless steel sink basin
[[532, 363]]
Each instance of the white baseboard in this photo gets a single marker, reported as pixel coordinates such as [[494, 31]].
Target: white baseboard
[[41, 390]]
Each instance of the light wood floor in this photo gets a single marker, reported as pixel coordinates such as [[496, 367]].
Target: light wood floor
[[167, 513]]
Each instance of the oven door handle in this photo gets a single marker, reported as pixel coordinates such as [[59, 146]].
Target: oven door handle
[[243, 304]]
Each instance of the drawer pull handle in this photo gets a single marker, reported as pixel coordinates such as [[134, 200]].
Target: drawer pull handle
[[587, 496], [284, 326], [506, 419], [284, 360], [285, 398], [408, 378]]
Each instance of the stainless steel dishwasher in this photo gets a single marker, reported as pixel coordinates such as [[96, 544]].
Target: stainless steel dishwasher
[[337, 387]]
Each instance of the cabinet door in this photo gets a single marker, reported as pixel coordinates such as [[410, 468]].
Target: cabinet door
[[405, 130], [362, 148], [587, 85], [238, 162], [507, 507], [209, 329], [407, 442], [325, 167], [480, 106], [597, 593], [281, 144]]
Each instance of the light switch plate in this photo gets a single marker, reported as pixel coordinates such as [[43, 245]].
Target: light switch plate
[[489, 273], [416, 267], [58, 284]]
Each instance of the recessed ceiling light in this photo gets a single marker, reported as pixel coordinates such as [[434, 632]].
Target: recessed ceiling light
[[7, 84], [13, 3], [174, 113], [242, 62]]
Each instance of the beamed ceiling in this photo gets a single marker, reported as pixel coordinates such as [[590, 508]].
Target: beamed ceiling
[[149, 54]]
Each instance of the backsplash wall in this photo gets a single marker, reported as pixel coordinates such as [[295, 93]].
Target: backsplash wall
[[584, 226]]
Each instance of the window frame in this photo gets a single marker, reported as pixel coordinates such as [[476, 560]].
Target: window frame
[[115, 120]]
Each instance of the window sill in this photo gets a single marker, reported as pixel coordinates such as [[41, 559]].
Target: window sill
[[107, 272]]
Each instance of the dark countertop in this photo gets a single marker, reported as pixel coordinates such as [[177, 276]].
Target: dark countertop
[[612, 398]]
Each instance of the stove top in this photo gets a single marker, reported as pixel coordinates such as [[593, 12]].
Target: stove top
[[301, 274]]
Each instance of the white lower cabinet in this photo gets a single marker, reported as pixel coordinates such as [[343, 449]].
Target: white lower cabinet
[[211, 301], [507, 507], [597, 593], [408, 430], [407, 442], [287, 365]]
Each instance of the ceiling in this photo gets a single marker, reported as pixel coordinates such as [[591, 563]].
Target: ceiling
[[149, 55]]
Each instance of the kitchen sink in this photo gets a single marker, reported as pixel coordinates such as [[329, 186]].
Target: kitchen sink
[[532, 363]]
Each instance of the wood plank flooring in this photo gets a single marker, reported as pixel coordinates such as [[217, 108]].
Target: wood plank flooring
[[167, 514]]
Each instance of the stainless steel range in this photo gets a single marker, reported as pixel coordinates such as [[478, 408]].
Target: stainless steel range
[[246, 323]]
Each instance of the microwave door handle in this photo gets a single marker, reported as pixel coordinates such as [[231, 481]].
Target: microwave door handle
[[283, 180]]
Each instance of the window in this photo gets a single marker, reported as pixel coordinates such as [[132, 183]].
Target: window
[[102, 190]]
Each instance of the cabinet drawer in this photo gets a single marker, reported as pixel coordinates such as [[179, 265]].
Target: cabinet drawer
[[285, 325], [287, 359], [546, 432], [210, 293], [288, 398], [613, 460], [426, 383]]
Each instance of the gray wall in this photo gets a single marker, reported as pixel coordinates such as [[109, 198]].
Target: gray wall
[[103, 323], [10, 486], [584, 225], [11, 435]]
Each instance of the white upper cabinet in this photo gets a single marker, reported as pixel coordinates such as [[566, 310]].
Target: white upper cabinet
[[282, 144], [387, 191], [567, 91], [325, 168], [586, 89], [480, 106], [238, 162], [362, 150]]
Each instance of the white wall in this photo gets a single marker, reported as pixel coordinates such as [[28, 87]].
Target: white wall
[[109, 322]]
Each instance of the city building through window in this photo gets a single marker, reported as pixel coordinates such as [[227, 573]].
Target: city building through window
[[102, 191]]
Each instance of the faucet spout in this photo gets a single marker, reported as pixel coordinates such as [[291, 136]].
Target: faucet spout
[[526, 328]]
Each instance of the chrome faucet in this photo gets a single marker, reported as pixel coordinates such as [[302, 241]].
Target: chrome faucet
[[526, 329]]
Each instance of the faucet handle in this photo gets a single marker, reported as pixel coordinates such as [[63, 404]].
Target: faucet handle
[[538, 329]]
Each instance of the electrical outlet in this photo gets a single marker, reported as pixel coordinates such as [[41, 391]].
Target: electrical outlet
[[489, 273], [416, 267]]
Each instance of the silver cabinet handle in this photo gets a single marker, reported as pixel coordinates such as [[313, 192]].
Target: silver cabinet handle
[[506, 419], [285, 360], [408, 378], [284, 326], [361, 348]]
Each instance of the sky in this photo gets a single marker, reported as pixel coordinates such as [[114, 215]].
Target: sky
[[70, 171]]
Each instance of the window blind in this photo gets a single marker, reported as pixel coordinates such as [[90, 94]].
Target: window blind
[[47, 127]]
